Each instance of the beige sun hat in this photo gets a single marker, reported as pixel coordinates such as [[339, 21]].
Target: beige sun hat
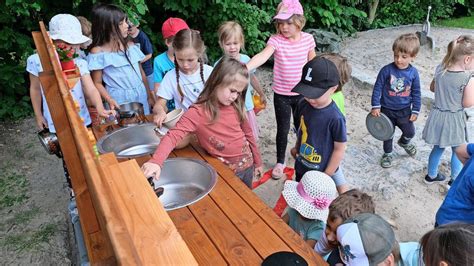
[[312, 195], [66, 27]]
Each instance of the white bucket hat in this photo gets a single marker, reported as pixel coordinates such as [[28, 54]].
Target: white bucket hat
[[67, 28], [312, 195]]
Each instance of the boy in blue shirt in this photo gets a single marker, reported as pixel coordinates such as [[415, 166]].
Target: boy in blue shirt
[[138, 36], [397, 94], [165, 61], [321, 138]]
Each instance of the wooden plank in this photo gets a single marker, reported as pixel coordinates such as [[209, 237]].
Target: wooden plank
[[292, 239], [153, 234], [203, 249], [253, 228], [230, 242], [97, 243]]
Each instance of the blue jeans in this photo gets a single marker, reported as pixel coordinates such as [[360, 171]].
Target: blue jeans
[[433, 162]]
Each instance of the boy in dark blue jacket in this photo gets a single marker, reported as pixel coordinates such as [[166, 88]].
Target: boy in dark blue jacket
[[397, 94]]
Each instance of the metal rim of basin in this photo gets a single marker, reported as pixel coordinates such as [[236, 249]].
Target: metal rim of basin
[[207, 190]]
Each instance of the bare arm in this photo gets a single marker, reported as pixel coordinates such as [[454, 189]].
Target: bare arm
[[97, 79], [159, 110], [260, 58], [150, 96], [311, 242], [468, 96], [256, 85], [36, 101], [311, 55], [336, 158], [93, 95], [146, 58]]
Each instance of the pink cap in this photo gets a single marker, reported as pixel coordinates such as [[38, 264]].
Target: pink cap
[[288, 8], [172, 26]]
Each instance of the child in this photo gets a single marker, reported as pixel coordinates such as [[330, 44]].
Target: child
[[185, 83], [115, 62], [342, 208], [308, 203], [219, 122], [231, 40], [448, 245], [140, 37], [292, 48], [366, 239], [321, 137], [458, 205], [66, 29], [165, 61], [345, 71], [454, 91], [397, 94], [86, 28]]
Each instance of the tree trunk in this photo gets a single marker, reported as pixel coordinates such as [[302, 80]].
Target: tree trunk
[[372, 10]]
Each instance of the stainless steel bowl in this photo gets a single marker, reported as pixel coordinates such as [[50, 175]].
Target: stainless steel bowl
[[185, 181], [130, 142]]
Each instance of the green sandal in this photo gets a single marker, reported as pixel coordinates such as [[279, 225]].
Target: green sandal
[[386, 161], [409, 148]]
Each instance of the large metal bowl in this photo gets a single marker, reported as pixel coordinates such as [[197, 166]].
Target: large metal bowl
[[130, 142], [185, 181]]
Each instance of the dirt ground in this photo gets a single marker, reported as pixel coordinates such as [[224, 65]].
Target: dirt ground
[[34, 223]]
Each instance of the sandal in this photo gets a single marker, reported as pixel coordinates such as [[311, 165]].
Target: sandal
[[277, 171], [408, 147], [386, 161]]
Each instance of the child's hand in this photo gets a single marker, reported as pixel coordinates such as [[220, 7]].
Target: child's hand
[[159, 118], [263, 99], [151, 170], [151, 101], [413, 117], [375, 112], [41, 122], [113, 104], [105, 113], [258, 172]]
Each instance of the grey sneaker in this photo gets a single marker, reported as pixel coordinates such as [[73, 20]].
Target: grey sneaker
[[386, 161], [409, 148], [439, 178]]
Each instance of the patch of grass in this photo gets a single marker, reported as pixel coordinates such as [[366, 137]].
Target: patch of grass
[[464, 22], [31, 241], [24, 217], [13, 188]]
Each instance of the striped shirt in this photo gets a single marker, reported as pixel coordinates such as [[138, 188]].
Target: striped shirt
[[290, 57]]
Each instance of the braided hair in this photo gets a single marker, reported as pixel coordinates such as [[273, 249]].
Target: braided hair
[[184, 39]]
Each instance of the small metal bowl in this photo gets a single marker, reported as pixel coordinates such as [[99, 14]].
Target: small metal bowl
[[49, 141]]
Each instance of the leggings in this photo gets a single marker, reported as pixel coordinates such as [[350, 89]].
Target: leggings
[[400, 119], [284, 107], [433, 162]]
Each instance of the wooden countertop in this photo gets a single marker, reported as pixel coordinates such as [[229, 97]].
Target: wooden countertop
[[231, 225]]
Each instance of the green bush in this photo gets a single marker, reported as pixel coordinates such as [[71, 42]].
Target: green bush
[[20, 17]]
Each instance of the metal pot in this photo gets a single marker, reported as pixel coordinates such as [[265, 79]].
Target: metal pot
[[131, 109], [131, 114], [49, 141]]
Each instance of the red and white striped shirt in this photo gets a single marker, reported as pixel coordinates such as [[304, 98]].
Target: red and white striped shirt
[[290, 57]]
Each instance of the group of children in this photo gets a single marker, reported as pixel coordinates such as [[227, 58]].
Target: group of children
[[307, 89]]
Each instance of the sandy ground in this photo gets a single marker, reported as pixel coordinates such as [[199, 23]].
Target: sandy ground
[[34, 223]]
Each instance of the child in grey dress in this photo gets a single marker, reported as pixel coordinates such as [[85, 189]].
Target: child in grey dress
[[453, 86]]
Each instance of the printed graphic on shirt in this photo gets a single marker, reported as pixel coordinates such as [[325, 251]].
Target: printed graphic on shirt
[[398, 87], [308, 152]]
